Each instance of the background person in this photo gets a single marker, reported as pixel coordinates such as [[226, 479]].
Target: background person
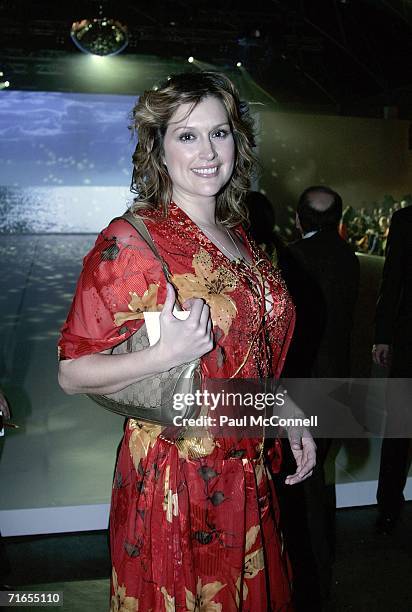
[[322, 273], [393, 350]]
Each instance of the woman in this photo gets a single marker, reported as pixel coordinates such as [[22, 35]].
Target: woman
[[189, 530]]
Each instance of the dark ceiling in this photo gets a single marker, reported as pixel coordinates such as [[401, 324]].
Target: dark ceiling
[[354, 56]]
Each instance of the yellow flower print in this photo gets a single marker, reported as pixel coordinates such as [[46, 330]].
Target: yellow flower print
[[202, 601], [138, 305], [259, 471], [119, 602], [254, 562], [212, 286], [142, 438], [170, 500], [169, 600]]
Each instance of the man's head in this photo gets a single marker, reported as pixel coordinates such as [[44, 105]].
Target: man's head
[[319, 207]]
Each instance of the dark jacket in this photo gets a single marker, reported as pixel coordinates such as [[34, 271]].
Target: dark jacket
[[322, 273], [394, 308], [393, 320]]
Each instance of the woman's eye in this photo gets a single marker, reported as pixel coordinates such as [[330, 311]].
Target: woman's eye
[[186, 137], [220, 134]]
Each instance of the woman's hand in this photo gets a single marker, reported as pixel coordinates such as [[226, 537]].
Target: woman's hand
[[183, 341], [180, 342], [381, 354], [304, 450]]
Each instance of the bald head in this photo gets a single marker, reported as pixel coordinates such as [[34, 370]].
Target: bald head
[[319, 208], [319, 200]]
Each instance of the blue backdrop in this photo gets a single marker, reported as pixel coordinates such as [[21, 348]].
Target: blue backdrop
[[65, 160]]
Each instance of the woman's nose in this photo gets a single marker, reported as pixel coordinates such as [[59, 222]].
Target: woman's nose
[[207, 151]]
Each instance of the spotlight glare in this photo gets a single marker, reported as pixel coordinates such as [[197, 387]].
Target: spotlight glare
[[191, 59], [238, 64], [6, 84]]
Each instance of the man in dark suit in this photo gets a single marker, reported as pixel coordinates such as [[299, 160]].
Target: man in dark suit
[[393, 349], [322, 274]]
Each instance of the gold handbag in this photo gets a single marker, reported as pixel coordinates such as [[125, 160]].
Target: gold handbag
[[151, 399]]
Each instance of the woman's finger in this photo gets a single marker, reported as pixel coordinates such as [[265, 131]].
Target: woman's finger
[[308, 475], [308, 457], [169, 301], [298, 476], [205, 316], [196, 310], [187, 304]]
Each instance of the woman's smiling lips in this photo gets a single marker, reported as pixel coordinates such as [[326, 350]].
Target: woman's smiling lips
[[206, 171]]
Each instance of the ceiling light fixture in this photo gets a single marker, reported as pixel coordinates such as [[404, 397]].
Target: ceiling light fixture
[[100, 36]]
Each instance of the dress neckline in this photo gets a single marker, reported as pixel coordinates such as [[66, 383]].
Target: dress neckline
[[176, 210]]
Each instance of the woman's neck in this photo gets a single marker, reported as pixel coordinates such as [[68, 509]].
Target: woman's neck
[[200, 210]]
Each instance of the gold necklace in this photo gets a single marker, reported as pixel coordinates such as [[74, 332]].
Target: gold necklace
[[241, 257], [236, 260], [233, 258]]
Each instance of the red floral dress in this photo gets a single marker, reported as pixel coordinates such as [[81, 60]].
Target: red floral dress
[[189, 532]]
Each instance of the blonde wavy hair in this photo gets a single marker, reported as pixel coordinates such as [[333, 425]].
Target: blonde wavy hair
[[149, 120]]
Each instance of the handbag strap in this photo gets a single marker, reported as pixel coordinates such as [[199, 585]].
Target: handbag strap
[[138, 224], [141, 229]]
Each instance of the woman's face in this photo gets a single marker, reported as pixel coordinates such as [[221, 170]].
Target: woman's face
[[199, 151]]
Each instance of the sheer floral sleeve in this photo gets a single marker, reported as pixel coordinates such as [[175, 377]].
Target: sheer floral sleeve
[[120, 280]]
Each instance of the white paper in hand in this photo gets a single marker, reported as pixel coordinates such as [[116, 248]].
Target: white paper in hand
[[153, 323]]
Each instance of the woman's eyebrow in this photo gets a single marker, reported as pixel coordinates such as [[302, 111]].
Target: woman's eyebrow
[[189, 127]]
